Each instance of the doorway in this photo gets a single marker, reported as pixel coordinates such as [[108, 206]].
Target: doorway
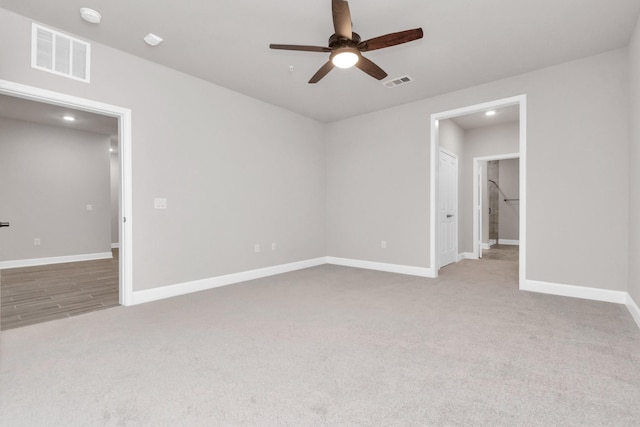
[[123, 118], [436, 235], [490, 197]]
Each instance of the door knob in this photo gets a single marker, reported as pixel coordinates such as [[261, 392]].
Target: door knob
[[4, 224]]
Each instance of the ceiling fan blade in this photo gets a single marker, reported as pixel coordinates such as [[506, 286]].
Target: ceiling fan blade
[[370, 68], [390, 40], [300, 47], [323, 71], [341, 18]]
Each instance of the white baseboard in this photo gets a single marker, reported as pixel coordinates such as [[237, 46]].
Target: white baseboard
[[597, 294], [633, 309], [508, 242], [169, 291], [466, 255], [492, 242], [486, 246], [115, 245], [54, 260], [381, 266]]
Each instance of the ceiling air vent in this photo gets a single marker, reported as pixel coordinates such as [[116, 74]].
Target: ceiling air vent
[[59, 53], [397, 82]]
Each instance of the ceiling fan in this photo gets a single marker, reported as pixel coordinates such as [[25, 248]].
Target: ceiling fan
[[346, 47]]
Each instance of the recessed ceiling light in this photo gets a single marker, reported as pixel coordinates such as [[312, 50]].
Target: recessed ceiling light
[[69, 118], [153, 40], [490, 113], [90, 15]]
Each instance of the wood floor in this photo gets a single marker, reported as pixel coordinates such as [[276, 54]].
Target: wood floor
[[32, 295]]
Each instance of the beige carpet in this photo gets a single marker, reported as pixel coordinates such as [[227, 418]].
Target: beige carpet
[[332, 346]]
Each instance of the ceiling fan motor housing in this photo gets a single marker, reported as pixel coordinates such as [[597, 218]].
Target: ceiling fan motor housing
[[336, 41]]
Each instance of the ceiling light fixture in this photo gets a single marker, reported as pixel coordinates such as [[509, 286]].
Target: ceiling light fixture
[[69, 118], [90, 15], [490, 113], [345, 57], [153, 40]]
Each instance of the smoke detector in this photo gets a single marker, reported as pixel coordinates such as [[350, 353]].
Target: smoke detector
[[153, 40], [90, 15]]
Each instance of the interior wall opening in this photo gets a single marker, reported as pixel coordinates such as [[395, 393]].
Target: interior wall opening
[[104, 212], [481, 135]]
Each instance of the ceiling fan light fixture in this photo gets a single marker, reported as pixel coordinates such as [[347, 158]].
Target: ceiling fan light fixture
[[345, 57]]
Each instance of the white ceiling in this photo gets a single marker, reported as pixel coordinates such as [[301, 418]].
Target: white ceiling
[[52, 115], [466, 42], [479, 120]]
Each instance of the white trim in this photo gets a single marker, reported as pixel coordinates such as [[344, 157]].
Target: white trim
[[520, 100], [115, 245], [508, 242], [169, 291], [633, 309], [596, 294], [523, 190], [19, 263], [124, 120], [487, 245], [466, 255], [381, 266]]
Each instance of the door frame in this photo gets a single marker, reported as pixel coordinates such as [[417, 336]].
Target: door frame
[[455, 203], [521, 101], [477, 198], [124, 135]]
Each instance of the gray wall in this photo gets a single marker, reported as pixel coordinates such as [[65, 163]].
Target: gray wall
[[115, 196], [634, 163], [509, 212], [378, 175], [481, 142], [49, 175], [235, 171]]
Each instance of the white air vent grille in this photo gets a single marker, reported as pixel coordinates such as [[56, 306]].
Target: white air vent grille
[[398, 81], [59, 53]]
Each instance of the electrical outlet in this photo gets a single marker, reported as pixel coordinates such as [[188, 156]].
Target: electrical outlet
[[256, 248], [36, 242], [89, 208], [383, 244], [273, 246]]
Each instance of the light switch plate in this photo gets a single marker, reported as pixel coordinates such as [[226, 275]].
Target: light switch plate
[[160, 203]]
